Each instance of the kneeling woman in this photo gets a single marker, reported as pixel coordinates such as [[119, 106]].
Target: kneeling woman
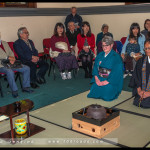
[[65, 60], [107, 73], [140, 81]]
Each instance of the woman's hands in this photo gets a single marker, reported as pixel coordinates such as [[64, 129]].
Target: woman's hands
[[66, 51], [100, 83]]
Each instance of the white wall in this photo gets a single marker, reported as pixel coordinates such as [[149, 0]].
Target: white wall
[[79, 4], [41, 27]]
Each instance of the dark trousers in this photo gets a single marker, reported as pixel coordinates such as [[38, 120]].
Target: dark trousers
[[87, 62], [43, 67], [128, 62]]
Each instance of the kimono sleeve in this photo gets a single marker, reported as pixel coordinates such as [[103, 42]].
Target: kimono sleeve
[[116, 75]]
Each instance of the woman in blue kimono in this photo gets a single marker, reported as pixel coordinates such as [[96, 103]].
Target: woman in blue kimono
[[107, 73]]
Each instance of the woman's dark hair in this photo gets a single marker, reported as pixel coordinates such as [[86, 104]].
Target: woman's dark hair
[[134, 25], [132, 37], [59, 24], [89, 32], [148, 36], [145, 23], [147, 41]]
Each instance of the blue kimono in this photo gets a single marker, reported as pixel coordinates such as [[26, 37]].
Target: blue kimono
[[112, 90]]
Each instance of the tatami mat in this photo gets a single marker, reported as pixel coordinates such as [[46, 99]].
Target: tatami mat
[[128, 105], [53, 136], [134, 131], [61, 112]]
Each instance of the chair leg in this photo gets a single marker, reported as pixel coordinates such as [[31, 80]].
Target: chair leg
[[54, 72], [20, 80], [18, 75], [1, 90], [51, 63]]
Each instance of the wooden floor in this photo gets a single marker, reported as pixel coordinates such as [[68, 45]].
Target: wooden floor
[[134, 130]]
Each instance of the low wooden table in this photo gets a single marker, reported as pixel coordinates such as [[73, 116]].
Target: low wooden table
[[11, 111]]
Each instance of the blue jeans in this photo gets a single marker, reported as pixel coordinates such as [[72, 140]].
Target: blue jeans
[[25, 70]]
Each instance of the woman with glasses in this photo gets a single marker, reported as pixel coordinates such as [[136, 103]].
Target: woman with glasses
[[86, 48], [140, 39], [140, 81], [107, 73]]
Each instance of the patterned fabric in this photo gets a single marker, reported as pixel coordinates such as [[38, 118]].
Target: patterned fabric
[[144, 88], [132, 48]]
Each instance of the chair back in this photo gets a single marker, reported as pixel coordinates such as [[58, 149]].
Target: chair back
[[12, 48], [119, 46], [46, 45], [123, 39]]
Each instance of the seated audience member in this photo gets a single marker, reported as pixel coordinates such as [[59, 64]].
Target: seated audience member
[[104, 32], [6, 53], [140, 38], [86, 48], [100, 49], [107, 73], [28, 54], [65, 60], [140, 81], [72, 37], [76, 18], [131, 49], [146, 27]]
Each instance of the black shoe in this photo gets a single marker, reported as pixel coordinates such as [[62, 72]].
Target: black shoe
[[39, 81], [27, 89], [15, 94], [34, 85]]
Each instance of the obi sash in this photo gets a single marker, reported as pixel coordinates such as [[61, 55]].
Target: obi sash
[[103, 72]]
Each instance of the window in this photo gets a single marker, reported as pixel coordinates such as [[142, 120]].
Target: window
[[18, 4]]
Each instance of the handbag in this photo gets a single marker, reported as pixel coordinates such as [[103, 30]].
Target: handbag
[[60, 45], [6, 63]]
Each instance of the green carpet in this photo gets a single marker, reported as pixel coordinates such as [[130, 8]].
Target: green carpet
[[53, 91]]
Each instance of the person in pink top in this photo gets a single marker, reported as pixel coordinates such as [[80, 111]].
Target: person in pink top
[[65, 60], [86, 48]]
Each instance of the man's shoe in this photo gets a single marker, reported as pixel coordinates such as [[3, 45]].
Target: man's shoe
[[34, 85], [27, 89], [15, 94], [39, 81]]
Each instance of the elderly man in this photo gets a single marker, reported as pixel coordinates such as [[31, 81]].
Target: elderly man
[[77, 19], [28, 55], [6, 53], [140, 80], [107, 73], [72, 37]]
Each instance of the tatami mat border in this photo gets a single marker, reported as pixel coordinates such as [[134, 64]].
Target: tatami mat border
[[146, 144], [104, 140]]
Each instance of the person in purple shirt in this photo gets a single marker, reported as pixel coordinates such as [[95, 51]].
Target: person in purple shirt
[[65, 60]]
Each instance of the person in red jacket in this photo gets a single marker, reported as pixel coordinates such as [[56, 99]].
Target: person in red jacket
[[86, 48]]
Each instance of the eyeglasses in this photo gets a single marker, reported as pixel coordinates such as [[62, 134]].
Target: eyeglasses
[[26, 32], [105, 45], [147, 48]]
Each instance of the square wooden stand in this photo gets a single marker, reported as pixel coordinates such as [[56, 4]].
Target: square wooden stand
[[94, 130]]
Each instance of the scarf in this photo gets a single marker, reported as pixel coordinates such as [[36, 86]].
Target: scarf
[[144, 88]]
